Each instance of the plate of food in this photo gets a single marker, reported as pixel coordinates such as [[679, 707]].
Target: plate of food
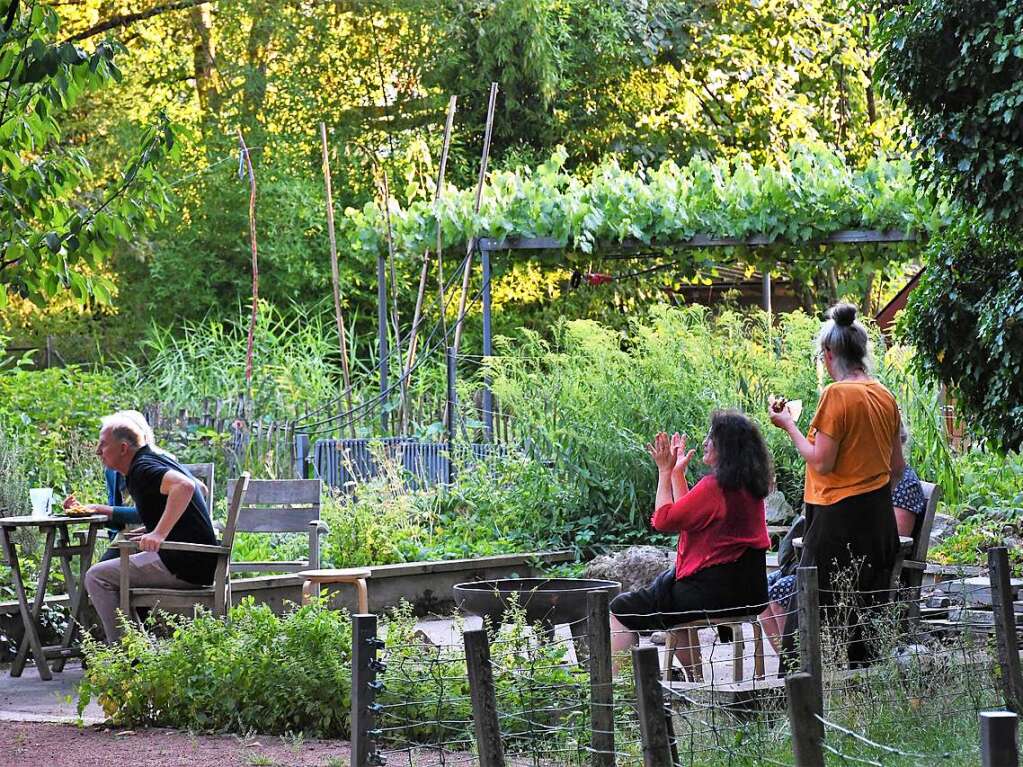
[[78, 510], [777, 403]]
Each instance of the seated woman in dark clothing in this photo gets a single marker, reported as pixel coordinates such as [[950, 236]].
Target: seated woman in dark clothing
[[720, 565]]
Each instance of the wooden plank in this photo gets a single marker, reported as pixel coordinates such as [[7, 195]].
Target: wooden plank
[[276, 520], [268, 492], [484, 699], [807, 729], [598, 623], [650, 707], [1005, 628]]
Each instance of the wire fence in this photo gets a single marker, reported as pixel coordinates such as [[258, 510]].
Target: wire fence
[[897, 678]]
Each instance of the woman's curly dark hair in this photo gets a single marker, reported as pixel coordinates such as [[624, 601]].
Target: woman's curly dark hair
[[743, 461]]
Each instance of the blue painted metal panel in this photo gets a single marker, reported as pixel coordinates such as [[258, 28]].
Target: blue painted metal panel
[[342, 463]]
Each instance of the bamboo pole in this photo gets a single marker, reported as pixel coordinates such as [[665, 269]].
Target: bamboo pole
[[255, 262], [459, 321], [440, 236], [336, 279], [438, 192]]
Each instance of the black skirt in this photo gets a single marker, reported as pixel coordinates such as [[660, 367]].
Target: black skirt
[[853, 544], [725, 590]]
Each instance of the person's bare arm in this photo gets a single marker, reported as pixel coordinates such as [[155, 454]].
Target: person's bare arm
[[905, 520], [178, 488], [679, 485], [820, 454]]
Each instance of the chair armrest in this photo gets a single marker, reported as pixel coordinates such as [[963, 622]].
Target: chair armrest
[[197, 548], [319, 526], [912, 564]]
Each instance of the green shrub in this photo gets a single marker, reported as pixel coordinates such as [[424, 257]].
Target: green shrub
[[257, 672]]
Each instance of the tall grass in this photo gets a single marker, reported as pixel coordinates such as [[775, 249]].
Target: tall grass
[[296, 362], [591, 397]]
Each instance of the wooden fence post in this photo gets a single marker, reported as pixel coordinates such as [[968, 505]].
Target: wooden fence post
[[998, 744], [301, 456], [364, 689], [808, 604], [807, 729], [484, 699], [602, 725], [1005, 628], [650, 704]]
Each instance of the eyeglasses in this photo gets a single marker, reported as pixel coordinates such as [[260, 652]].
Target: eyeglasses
[[819, 356]]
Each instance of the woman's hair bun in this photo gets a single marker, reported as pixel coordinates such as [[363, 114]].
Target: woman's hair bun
[[844, 315]]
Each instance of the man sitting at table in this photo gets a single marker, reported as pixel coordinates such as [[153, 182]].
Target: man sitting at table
[[171, 507]]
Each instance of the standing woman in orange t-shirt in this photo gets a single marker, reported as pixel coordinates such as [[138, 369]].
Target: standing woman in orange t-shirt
[[852, 451]]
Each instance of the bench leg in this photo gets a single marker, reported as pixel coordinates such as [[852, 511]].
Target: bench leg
[[738, 651], [363, 596], [309, 590], [670, 641], [694, 668]]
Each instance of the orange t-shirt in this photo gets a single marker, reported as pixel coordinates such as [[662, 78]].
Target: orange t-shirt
[[863, 417]]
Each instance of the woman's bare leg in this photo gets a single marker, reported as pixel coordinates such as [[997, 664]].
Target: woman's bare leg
[[772, 619], [622, 639]]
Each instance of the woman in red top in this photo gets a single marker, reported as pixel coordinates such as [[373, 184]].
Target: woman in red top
[[720, 565]]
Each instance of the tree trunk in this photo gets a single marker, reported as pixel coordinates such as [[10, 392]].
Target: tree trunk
[[203, 59]]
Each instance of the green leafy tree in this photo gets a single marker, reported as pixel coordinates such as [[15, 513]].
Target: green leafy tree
[[58, 219], [958, 66]]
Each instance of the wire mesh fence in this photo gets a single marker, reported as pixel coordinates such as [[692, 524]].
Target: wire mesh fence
[[898, 678]]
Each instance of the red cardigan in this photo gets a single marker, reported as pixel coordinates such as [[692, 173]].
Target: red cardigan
[[715, 526]]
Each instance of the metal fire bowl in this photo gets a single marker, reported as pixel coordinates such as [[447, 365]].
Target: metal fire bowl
[[548, 600]]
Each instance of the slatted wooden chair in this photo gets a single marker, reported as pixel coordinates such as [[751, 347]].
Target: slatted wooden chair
[[282, 506], [204, 473], [217, 596], [909, 574]]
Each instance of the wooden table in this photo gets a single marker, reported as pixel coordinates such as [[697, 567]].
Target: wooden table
[[58, 545]]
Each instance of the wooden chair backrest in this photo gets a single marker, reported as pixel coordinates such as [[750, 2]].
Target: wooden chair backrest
[[279, 505], [932, 494], [204, 472], [237, 490]]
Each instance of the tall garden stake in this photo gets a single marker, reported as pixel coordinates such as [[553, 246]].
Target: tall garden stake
[[417, 316], [255, 261], [336, 280], [476, 209]]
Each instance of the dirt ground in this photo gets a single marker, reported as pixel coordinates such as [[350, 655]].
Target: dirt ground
[[32, 744]]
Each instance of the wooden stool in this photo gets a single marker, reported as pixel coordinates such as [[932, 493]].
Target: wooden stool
[[689, 632], [354, 575]]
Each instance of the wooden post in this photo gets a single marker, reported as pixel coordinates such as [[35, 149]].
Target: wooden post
[[650, 703], [301, 456], [808, 604], [1005, 628], [364, 687], [807, 729], [484, 699], [998, 744], [598, 622]]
